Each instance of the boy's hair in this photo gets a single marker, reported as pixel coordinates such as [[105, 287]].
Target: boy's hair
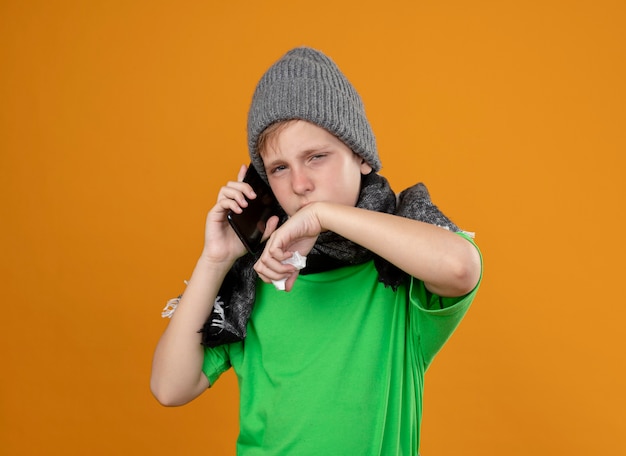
[[305, 84], [268, 134]]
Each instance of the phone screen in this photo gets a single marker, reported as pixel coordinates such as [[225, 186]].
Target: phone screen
[[250, 224]]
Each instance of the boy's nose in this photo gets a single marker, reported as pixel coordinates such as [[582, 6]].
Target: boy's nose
[[301, 182]]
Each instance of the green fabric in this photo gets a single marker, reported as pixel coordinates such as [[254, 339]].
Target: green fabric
[[336, 366]]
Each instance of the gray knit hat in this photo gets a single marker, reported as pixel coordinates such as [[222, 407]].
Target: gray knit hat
[[305, 84]]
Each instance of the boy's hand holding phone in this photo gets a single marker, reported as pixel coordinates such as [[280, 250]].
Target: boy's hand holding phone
[[250, 225]]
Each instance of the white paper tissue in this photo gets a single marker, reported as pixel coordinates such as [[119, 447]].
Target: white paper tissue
[[296, 260]]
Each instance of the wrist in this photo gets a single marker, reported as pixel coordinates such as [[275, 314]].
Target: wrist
[[211, 263], [322, 211]]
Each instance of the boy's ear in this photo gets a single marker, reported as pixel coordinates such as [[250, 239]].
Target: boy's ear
[[365, 167]]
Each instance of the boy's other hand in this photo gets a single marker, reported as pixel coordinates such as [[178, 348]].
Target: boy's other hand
[[298, 234]]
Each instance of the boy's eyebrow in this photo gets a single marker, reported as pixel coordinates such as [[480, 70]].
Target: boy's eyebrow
[[300, 154]]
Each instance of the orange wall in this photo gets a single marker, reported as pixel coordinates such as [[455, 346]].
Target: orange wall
[[120, 120]]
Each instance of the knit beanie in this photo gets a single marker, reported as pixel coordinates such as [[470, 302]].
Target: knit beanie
[[305, 84]]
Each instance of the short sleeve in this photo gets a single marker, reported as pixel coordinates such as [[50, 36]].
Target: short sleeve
[[435, 317], [216, 362]]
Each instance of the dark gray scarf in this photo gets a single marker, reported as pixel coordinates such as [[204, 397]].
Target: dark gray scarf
[[233, 306]]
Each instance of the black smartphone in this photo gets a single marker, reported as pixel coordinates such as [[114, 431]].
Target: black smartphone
[[250, 224]]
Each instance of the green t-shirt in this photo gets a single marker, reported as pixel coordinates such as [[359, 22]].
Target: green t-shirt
[[336, 366]]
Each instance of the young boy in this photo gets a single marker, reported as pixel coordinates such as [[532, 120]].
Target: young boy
[[335, 364]]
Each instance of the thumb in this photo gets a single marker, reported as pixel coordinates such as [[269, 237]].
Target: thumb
[[270, 226], [291, 280]]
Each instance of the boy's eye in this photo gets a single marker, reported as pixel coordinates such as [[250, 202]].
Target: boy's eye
[[276, 169]]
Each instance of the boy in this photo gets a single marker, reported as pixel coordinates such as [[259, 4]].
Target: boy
[[334, 365]]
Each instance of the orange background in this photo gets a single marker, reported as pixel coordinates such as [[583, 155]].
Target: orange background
[[120, 120]]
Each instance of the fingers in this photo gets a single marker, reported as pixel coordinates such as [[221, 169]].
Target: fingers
[[280, 247], [270, 265], [220, 239], [272, 270], [233, 195]]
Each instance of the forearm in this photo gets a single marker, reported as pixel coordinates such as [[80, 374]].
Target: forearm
[[177, 374], [448, 264]]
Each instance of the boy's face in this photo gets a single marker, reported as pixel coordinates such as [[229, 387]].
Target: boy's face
[[305, 164]]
